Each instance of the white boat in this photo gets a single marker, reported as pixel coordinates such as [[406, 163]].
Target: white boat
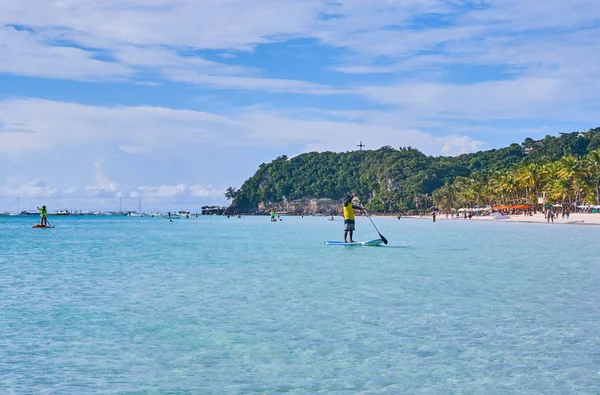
[[139, 213], [155, 214]]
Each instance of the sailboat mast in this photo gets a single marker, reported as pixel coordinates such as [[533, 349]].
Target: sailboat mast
[[140, 205]]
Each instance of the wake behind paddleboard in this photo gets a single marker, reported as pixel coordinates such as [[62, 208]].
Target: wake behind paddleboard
[[42, 226], [368, 243]]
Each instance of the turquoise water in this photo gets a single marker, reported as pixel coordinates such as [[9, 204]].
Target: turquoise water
[[215, 305]]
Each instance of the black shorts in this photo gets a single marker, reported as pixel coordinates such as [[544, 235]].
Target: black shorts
[[348, 224]]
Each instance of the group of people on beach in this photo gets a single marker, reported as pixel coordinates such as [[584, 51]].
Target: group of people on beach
[[550, 215]]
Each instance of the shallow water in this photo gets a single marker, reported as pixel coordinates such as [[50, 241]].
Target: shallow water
[[216, 305]]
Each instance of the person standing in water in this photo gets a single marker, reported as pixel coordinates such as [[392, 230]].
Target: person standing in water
[[43, 214], [273, 216], [349, 223]]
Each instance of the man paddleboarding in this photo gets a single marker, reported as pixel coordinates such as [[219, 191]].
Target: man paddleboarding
[[349, 223], [43, 214]]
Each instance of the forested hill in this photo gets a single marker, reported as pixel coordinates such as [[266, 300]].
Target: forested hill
[[391, 179]]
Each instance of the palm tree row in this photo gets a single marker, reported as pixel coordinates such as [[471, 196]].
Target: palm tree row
[[570, 181]]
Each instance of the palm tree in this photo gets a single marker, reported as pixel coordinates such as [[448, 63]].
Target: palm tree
[[445, 197], [508, 184], [495, 187], [569, 170], [530, 177], [592, 169], [559, 189]]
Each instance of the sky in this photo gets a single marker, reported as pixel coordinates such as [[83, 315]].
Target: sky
[[165, 103]]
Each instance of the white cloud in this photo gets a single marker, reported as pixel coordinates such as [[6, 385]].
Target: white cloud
[[25, 53], [35, 188], [217, 24], [109, 190], [551, 39], [136, 149], [69, 38], [249, 83], [31, 193], [523, 98], [456, 145], [166, 132], [133, 128], [176, 191]]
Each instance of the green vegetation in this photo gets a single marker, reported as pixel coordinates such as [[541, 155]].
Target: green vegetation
[[566, 168]]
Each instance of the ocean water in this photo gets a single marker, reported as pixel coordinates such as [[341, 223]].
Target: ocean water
[[115, 305]]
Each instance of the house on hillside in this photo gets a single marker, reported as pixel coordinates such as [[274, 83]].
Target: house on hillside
[[536, 144]]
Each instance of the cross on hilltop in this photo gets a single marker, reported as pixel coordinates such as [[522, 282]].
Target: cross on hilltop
[[361, 145]]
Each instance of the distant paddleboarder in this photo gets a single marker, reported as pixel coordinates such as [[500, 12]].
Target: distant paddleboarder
[[43, 214]]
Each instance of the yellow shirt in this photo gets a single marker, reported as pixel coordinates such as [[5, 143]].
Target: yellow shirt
[[348, 211]]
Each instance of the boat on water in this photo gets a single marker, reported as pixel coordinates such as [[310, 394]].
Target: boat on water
[[138, 213], [25, 212], [155, 214], [61, 212], [185, 214]]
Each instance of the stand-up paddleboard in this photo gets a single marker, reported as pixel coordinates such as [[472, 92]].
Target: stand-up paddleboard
[[368, 243], [42, 226]]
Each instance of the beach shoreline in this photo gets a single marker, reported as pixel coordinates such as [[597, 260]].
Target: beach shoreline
[[539, 218]]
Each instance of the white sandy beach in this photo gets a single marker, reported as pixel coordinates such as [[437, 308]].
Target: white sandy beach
[[574, 219]]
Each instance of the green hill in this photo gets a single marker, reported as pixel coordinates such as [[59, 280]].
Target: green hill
[[392, 179]]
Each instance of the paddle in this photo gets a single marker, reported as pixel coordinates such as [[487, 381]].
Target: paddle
[[380, 235]]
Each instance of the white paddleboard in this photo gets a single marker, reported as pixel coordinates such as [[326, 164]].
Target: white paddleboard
[[375, 242]]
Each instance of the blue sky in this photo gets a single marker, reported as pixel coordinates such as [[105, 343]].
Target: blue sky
[[172, 101]]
